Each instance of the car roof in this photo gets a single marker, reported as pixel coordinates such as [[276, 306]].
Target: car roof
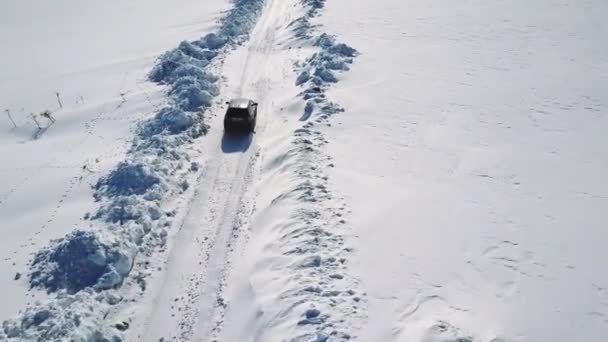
[[239, 103]]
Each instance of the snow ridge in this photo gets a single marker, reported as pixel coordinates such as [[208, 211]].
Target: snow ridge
[[83, 269], [323, 301], [332, 304], [335, 303], [330, 293]]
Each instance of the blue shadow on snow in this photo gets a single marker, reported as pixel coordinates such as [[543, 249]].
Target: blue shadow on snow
[[232, 143]]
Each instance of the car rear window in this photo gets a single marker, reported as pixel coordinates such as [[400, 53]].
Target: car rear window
[[238, 112]]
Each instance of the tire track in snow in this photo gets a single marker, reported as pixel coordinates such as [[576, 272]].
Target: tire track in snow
[[195, 270], [215, 231]]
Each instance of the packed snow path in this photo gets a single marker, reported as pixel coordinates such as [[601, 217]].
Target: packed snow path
[[187, 301], [202, 249]]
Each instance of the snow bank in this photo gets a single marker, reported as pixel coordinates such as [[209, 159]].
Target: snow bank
[[81, 260], [322, 301], [319, 71], [185, 69], [303, 27], [128, 179], [83, 267], [69, 317]]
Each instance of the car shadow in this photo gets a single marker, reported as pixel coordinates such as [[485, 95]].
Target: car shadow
[[232, 143]]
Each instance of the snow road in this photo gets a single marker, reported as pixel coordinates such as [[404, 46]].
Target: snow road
[[185, 302]]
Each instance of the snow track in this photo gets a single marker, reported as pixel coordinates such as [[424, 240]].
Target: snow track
[[231, 238], [187, 302], [202, 247]]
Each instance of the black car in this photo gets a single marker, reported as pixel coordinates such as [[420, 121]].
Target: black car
[[241, 116]]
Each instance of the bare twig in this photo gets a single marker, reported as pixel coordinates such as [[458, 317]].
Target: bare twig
[[33, 116], [47, 114], [59, 99], [8, 112]]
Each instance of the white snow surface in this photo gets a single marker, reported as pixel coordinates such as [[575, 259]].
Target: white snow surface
[[440, 181], [97, 56], [473, 156]]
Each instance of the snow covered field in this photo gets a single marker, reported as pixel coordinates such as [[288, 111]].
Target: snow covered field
[[421, 171], [97, 56], [473, 155]]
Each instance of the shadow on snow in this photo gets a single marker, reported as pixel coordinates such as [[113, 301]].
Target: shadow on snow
[[232, 143]]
